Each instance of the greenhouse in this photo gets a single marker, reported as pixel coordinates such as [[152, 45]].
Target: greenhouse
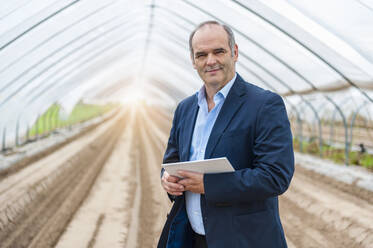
[[71, 66]]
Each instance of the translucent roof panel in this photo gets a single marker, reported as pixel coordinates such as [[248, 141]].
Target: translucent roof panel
[[347, 21], [327, 39], [63, 51]]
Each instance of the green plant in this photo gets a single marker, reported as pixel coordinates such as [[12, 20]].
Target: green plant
[[50, 119], [337, 155], [367, 161]]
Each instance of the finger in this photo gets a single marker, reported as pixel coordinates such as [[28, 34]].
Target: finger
[[194, 189], [169, 177], [173, 179], [173, 186], [190, 188], [173, 191], [166, 181], [188, 182], [185, 182], [189, 174]]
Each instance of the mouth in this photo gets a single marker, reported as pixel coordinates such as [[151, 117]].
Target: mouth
[[213, 70]]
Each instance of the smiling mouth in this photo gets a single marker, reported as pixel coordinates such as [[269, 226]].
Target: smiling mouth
[[213, 70]]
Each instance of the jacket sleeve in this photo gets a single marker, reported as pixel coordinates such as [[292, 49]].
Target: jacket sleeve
[[273, 163], [172, 151]]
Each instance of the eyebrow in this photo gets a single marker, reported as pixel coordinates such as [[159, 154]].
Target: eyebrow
[[219, 50], [215, 50]]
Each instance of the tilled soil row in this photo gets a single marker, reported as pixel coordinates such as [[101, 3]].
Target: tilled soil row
[[18, 190], [148, 213], [130, 200], [157, 131], [306, 230], [159, 117], [160, 205], [43, 221], [338, 185], [134, 190], [317, 212], [101, 220], [154, 202], [32, 159], [19, 203]]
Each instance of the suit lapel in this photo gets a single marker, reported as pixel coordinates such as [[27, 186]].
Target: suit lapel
[[231, 105], [190, 118]]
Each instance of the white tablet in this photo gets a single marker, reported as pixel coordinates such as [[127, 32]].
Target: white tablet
[[214, 165]]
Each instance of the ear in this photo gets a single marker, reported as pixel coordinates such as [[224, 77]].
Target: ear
[[235, 57]]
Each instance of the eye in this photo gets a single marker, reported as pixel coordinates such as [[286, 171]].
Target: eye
[[200, 55]]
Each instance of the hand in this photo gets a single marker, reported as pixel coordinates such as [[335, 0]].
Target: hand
[[192, 181], [171, 185]]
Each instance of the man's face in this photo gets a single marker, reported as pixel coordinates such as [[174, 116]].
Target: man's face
[[213, 59]]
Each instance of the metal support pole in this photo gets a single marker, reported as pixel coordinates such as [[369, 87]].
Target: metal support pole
[[55, 125], [51, 119], [331, 137], [47, 121], [27, 133], [52, 113], [4, 139], [353, 121], [17, 132], [37, 127], [347, 160], [298, 134], [301, 128], [319, 124]]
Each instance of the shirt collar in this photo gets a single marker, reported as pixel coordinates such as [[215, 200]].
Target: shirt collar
[[201, 94]]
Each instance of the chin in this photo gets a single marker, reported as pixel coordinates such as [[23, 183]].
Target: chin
[[214, 79], [213, 82]]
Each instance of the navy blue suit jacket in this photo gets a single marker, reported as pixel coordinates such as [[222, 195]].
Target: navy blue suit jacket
[[240, 209]]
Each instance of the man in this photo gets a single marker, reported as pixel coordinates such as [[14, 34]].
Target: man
[[230, 118]]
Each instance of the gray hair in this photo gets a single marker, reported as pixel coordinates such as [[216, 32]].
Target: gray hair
[[231, 41]]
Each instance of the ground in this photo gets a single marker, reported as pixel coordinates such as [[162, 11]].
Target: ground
[[103, 190]]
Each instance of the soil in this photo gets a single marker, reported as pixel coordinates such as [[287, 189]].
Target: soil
[[103, 190]]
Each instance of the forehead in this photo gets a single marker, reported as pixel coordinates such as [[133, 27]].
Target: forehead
[[210, 37]]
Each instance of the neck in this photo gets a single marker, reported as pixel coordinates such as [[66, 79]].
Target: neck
[[212, 89]]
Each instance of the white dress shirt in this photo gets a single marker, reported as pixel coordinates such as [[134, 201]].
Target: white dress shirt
[[202, 130]]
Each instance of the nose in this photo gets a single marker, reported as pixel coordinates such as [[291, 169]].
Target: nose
[[211, 60]]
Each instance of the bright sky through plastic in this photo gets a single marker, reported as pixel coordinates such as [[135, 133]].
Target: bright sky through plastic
[[131, 51]]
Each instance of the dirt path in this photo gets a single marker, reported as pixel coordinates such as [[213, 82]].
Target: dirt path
[[127, 206], [155, 203], [101, 220]]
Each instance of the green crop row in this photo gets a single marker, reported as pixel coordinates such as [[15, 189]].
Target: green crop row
[[335, 154], [51, 119]]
